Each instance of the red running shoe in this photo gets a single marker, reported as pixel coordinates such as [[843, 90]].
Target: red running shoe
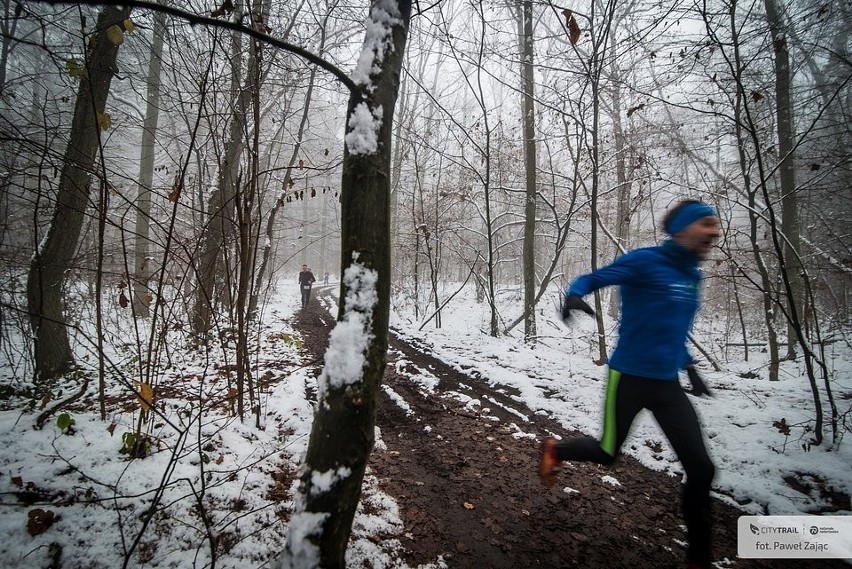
[[548, 465]]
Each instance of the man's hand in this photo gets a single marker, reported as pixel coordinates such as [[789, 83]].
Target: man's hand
[[698, 386], [574, 302]]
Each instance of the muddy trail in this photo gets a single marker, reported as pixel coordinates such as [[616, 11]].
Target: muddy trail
[[465, 478]]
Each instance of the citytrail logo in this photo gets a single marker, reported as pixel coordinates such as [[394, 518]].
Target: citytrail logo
[[794, 537], [780, 530]]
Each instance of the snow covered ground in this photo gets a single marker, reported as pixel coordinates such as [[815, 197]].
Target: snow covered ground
[[215, 464]]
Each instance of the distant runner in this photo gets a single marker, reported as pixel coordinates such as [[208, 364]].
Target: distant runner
[[306, 280]]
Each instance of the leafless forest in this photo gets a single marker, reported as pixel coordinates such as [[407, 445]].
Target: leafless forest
[[172, 163]]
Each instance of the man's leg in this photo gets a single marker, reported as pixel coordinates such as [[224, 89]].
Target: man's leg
[[679, 422], [623, 400], [622, 403]]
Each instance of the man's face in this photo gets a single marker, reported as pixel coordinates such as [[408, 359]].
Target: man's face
[[700, 236], [304, 267]]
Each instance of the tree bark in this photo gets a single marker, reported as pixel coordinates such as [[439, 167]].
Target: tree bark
[[528, 105], [342, 434], [142, 265], [212, 285], [53, 260], [791, 263]]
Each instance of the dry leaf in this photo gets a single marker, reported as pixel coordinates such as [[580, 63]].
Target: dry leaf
[[115, 35], [145, 395], [469, 506], [632, 110], [39, 521], [573, 27], [104, 121], [122, 300], [174, 193], [226, 8]]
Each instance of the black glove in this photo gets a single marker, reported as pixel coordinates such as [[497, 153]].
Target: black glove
[[698, 386], [574, 302]]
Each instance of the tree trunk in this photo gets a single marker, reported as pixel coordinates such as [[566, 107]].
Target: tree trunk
[[342, 435], [740, 117], [8, 27], [528, 105], [54, 258], [595, 67], [211, 284], [791, 263], [142, 264], [622, 222]]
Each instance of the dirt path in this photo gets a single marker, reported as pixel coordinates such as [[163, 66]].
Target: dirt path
[[465, 479]]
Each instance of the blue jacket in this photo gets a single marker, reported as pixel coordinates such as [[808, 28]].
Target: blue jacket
[[659, 299]]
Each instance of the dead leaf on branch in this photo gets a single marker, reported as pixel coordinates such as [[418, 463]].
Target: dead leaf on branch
[[174, 194], [632, 110], [225, 9], [573, 27], [115, 35], [145, 395], [782, 426]]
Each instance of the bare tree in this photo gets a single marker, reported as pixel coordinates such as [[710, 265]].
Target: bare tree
[[786, 127], [342, 434], [142, 297], [530, 165], [53, 260]]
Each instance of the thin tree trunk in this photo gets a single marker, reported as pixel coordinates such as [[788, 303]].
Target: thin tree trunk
[[791, 264], [528, 105], [766, 284], [8, 27], [141, 290], [595, 68], [211, 284]]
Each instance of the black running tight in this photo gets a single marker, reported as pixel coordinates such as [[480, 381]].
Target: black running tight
[[627, 395]]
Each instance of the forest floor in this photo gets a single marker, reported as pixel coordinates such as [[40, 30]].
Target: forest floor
[[465, 479]]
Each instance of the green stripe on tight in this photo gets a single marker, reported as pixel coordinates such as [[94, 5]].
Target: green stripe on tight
[[609, 433]]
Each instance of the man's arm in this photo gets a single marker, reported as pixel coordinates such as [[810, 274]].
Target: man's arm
[[622, 270], [615, 273]]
